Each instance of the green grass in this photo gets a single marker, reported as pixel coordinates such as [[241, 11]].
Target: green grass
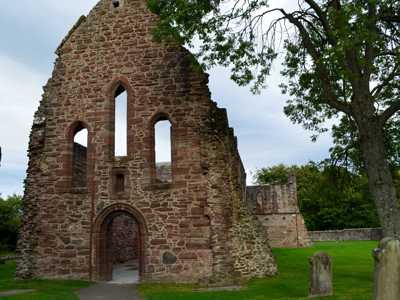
[[6, 253], [352, 267], [44, 289]]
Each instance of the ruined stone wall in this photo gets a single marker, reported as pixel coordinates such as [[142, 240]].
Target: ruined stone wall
[[79, 167], [194, 228], [164, 172], [355, 234], [236, 235], [277, 209], [124, 239]]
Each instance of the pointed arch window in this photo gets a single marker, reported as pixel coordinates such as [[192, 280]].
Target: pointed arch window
[[121, 122], [79, 157], [163, 150]]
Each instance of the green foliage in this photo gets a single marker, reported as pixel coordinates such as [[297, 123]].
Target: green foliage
[[346, 149], [330, 197], [352, 278], [278, 174], [329, 47], [10, 221], [44, 289]]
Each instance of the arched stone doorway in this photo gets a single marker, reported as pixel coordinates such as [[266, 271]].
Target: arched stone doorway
[[119, 240]]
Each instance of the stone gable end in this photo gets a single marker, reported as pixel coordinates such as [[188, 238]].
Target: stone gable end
[[195, 227]]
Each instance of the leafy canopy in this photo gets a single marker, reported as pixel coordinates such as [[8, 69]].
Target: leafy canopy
[[336, 50]]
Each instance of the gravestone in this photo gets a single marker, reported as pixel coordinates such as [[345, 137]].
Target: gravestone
[[321, 275], [387, 270]]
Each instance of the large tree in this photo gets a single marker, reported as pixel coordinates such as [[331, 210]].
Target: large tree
[[342, 59]]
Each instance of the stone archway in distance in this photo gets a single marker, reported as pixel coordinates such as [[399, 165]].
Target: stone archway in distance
[[104, 259]]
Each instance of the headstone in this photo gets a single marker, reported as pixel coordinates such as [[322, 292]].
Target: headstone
[[387, 270], [321, 275]]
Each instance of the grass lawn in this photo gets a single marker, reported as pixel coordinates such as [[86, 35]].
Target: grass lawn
[[352, 267], [45, 289], [5, 253]]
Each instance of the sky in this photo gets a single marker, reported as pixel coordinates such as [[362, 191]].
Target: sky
[[30, 32]]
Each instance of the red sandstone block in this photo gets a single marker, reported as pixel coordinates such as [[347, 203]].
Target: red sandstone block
[[159, 242]]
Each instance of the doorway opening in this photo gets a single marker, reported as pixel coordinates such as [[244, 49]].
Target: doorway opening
[[120, 248]]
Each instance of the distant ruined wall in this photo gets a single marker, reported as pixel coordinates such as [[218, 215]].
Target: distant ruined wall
[[277, 209], [124, 241], [356, 234], [79, 168], [164, 172]]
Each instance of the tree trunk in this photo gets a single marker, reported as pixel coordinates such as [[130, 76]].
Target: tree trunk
[[380, 178]]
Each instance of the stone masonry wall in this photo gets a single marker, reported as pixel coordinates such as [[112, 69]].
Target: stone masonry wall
[[277, 208], [196, 227], [237, 236], [356, 234], [79, 168], [124, 240]]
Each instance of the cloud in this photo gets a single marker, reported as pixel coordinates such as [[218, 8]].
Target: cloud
[[32, 30], [265, 135], [20, 91]]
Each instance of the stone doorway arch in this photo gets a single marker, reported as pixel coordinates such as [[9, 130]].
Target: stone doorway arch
[[103, 256]]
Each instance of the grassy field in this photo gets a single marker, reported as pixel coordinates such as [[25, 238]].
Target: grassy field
[[5, 253], [352, 265], [44, 289]]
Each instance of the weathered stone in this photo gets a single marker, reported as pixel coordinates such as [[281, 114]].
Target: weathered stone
[[320, 275], [124, 239], [351, 234], [169, 258], [277, 208], [387, 270], [70, 201]]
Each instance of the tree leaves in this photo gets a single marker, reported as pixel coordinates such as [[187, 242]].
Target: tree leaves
[[10, 220], [330, 197]]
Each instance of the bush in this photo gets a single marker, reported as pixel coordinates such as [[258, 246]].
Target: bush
[[10, 221]]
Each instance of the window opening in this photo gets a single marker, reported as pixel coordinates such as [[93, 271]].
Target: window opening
[[79, 158], [121, 122], [116, 3], [119, 183], [163, 150]]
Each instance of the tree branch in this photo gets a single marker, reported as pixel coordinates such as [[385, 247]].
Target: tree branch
[[331, 98], [322, 17], [378, 89], [390, 112], [390, 18], [370, 51]]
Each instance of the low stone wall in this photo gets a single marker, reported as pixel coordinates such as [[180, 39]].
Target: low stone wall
[[357, 234], [4, 259]]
